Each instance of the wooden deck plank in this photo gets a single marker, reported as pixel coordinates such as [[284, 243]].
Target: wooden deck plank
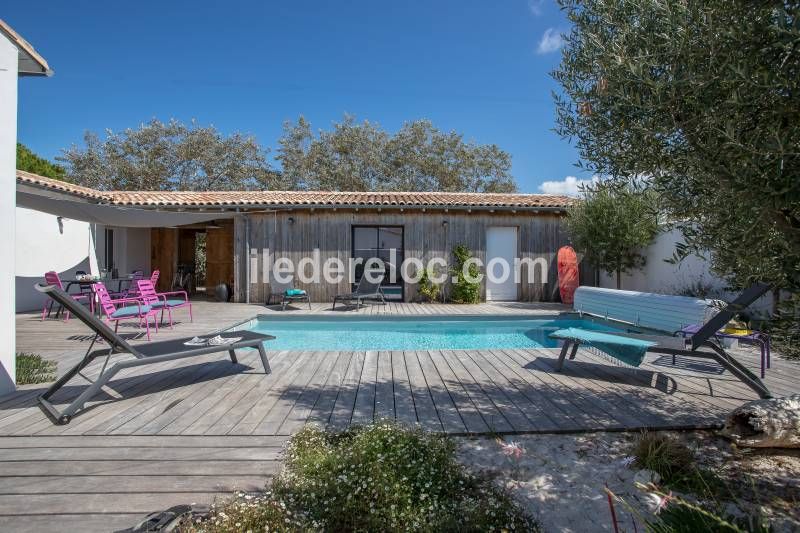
[[469, 413], [297, 415], [345, 400], [426, 412], [557, 408], [272, 421], [384, 388], [480, 396], [536, 419], [364, 408], [259, 410], [403, 399], [323, 408], [284, 361]]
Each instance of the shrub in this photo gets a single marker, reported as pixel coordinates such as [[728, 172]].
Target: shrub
[[676, 464], [464, 291], [380, 477], [427, 288], [663, 455], [33, 368]]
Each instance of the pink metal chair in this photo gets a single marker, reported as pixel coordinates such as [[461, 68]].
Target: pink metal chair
[[51, 278], [140, 311], [163, 300], [132, 290]]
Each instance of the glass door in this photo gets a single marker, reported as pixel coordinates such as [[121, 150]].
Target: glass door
[[386, 244]]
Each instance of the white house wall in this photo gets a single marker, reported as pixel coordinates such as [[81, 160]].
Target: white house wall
[[8, 185], [44, 243]]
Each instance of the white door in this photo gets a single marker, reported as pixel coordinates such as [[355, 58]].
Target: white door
[[501, 250]]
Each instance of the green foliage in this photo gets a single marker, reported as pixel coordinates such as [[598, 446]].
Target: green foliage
[[663, 455], [427, 288], [676, 464], [703, 100], [33, 368], [681, 516], [30, 162], [376, 478], [365, 157], [611, 226], [465, 290], [784, 328], [169, 157]]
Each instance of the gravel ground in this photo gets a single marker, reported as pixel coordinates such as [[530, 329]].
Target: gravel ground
[[561, 479]]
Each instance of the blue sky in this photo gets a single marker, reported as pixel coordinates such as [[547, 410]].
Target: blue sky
[[477, 67]]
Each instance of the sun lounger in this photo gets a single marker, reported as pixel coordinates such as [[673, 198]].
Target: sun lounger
[[287, 293], [366, 289], [630, 348], [145, 354]]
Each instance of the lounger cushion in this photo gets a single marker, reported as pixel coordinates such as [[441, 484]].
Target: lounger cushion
[[168, 303], [129, 311], [295, 292], [625, 349]]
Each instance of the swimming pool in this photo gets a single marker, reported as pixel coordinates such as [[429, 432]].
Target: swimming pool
[[430, 333]]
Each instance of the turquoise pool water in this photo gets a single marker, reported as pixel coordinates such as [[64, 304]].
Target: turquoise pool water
[[418, 334]]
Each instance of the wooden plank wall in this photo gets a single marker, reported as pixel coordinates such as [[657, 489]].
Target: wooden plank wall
[[219, 254], [540, 235], [164, 254]]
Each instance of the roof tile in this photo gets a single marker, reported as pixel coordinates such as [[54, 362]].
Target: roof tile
[[299, 198]]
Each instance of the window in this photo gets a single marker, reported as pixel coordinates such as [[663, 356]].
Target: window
[[385, 243], [109, 249]]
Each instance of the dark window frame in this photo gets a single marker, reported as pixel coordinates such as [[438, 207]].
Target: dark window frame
[[400, 256]]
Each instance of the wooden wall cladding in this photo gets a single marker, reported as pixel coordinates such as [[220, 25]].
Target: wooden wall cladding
[[425, 236], [219, 255], [164, 254]]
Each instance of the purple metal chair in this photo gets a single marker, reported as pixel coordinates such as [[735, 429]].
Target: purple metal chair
[[163, 300], [140, 311], [51, 278]]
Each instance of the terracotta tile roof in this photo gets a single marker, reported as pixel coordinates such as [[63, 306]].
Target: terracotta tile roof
[[29, 178], [190, 199]]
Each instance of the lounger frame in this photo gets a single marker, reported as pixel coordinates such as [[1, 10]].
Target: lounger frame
[[143, 355], [701, 345]]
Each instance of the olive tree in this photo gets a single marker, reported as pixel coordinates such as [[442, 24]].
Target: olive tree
[[700, 99], [612, 225], [169, 156], [365, 157]]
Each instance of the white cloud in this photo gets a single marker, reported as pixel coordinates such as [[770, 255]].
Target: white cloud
[[571, 186], [535, 7], [550, 42]]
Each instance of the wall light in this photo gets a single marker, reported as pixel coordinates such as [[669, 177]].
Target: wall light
[[291, 220], [445, 223]]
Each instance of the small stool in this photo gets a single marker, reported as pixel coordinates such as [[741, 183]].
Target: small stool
[[757, 338]]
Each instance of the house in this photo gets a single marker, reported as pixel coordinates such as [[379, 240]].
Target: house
[[244, 234], [17, 58]]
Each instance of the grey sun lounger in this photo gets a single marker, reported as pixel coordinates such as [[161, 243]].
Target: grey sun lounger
[[282, 294], [365, 290], [702, 344], [143, 354]]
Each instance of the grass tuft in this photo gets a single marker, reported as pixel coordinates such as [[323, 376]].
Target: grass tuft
[[381, 477], [33, 368]]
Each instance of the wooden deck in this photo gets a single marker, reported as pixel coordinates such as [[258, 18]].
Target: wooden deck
[[186, 431]]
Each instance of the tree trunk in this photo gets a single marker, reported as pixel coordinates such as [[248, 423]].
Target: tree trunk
[[619, 279]]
